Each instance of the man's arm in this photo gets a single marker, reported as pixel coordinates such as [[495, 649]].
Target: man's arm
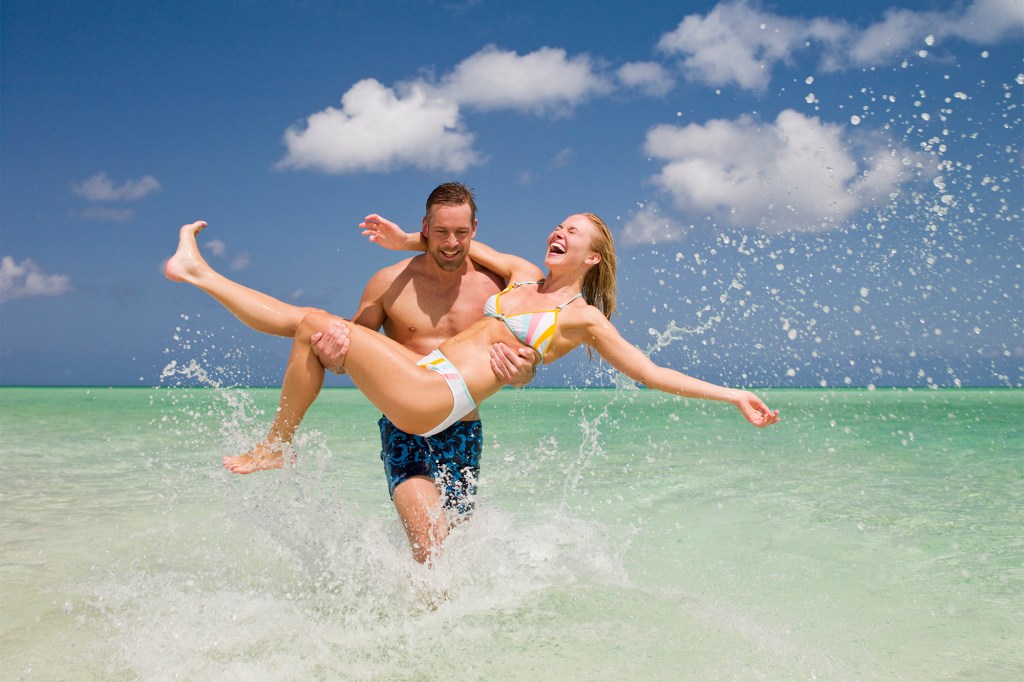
[[514, 368], [331, 346]]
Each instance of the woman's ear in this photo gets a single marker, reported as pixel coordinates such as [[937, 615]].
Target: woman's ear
[[593, 259]]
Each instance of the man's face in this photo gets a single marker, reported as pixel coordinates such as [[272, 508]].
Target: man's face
[[449, 230]]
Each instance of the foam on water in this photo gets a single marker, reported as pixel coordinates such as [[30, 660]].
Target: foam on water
[[294, 577]]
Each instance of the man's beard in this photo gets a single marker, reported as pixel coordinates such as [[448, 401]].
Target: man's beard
[[448, 265]]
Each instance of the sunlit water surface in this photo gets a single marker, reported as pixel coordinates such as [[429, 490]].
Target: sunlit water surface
[[619, 535]]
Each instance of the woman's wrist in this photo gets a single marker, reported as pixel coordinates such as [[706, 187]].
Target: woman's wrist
[[734, 396]]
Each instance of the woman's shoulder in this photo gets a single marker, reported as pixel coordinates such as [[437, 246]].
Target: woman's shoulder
[[579, 313]]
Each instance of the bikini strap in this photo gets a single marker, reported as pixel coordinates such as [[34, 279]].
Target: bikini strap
[[559, 307]]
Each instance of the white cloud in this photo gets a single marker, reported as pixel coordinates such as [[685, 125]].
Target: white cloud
[[419, 123], [649, 225], [236, 261], [648, 77], [542, 81], [737, 42], [985, 21], [377, 129], [25, 279], [562, 158], [796, 174], [217, 247], [989, 21], [240, 261], [740, 43], [101, 188]]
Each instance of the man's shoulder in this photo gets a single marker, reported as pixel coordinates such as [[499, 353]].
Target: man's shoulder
[[418, 267], [405, 267]]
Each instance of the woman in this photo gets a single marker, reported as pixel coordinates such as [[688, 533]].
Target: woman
[[568, 307]]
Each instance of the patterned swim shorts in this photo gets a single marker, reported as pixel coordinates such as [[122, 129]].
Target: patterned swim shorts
[[450, 457]]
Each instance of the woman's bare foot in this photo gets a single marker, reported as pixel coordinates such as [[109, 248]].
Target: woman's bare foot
[[263, 456], [187, 264]]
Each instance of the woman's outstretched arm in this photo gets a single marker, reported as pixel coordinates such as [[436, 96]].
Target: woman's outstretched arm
[[628, 359], [505, 265]]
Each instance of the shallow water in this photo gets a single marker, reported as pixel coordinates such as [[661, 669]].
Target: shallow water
[[619, 535]]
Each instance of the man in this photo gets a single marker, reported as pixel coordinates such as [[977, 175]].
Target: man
[[421, 302]]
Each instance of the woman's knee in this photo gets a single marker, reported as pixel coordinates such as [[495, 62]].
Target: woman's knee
[[317, 321]]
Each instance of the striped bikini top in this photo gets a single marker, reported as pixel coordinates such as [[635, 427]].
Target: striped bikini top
[[536, 329]]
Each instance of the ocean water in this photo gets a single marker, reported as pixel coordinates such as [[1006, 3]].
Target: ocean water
[[620, 535]]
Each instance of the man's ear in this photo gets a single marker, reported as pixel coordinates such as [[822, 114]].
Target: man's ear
[[473, 236], [423, 229]]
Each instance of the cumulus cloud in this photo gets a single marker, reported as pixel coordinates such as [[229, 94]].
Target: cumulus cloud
[[25, 279], [984, 21], [544, 81], [240, 261], [101, 188], [740, 43], [377, 129], [216, 247], [236, 261], [649, 77], [420, 124], [989, 21], [650, 225], [796, 174]]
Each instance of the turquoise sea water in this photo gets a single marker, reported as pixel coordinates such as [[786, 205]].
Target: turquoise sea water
[[620, 535]]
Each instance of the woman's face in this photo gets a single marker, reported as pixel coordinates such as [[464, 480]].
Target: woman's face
[[570, 245]]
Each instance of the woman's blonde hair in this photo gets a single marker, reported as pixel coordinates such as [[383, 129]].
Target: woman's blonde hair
[[599, 282]]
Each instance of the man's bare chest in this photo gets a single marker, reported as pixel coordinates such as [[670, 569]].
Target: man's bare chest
[[432, 314]]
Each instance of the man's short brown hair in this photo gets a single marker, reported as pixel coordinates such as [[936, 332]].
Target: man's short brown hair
[[453, 194]]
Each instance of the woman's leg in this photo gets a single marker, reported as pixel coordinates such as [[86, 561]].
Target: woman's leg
[[415, 399], [303, 380], [257, 310]]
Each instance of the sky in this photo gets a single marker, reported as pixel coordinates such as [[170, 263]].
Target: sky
[[802, 193]]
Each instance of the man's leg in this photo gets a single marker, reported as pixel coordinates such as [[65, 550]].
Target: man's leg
[[421, 510], [303, 379], [432, 479]]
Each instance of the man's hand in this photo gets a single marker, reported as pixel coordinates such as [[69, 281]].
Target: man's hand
[[331, 347], [515, 368]]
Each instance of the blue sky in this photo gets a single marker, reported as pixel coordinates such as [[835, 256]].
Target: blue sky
[[800, 195]]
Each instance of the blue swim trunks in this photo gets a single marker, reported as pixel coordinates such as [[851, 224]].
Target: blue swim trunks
[[451, 457]]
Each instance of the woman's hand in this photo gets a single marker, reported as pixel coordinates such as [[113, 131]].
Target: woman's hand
[[380, 230], [754, 410]]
